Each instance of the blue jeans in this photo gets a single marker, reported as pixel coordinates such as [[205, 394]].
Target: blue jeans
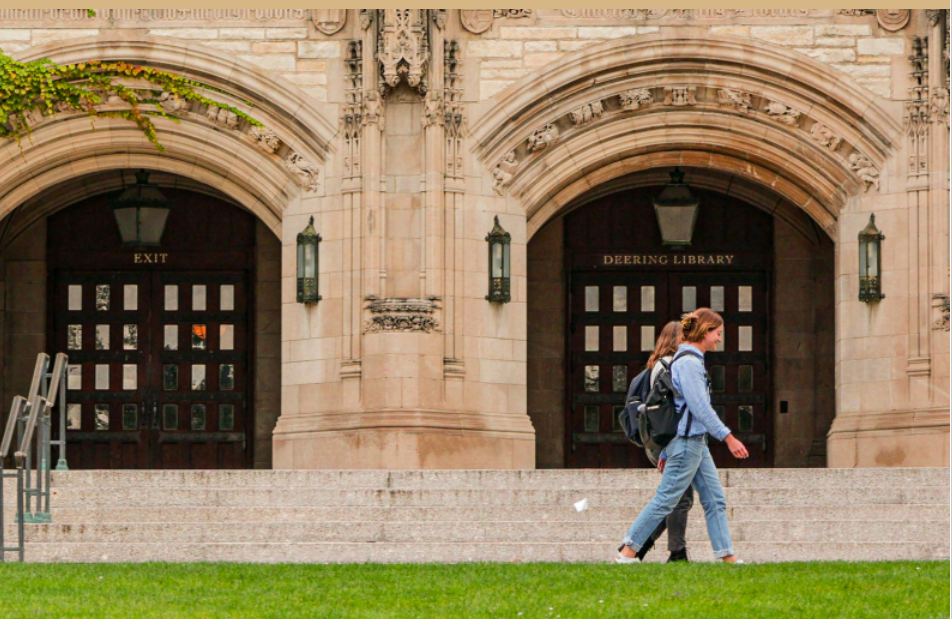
[[689, 464]]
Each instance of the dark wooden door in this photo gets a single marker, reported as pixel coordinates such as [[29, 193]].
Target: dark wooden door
[[624, 286], [159, 342]]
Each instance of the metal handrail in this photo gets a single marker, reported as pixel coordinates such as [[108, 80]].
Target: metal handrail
[[25, 414]]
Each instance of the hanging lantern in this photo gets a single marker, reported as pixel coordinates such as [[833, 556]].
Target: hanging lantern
[[141, 212], [499, 267], [676, 209], [870, 252], [307, 256]]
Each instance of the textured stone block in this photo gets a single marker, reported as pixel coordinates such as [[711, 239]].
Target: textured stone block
[[286, 33], [734, 31], [835, 42], [242, 33], [843, 30], [881, 47], [231, 46], [273, 62], [537, 33], [828, 55], [494, 49], [865, 70], [41, 37], [273, 47], [14, 34], [534, 61], [606, 32], [198, 34], [783, 35], [318, 49], [573, 46], [541, 46]]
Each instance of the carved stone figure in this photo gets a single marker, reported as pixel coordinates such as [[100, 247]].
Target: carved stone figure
[[329, 21], [543, 138], [864, 169], [855, 12], [635, 98], [783, 114], [729, 97], [222, 117], [503, 173], [893, 19], [402, 48], [402, 315], [825, 136], [940, 105], [171, 103], [512, 13], [308, 175], [681, 96], [373, 109], [366, 18], [433, 108], [266, 139], [587, 113]]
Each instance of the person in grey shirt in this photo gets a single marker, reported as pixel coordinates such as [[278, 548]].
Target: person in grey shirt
[[676, 522]]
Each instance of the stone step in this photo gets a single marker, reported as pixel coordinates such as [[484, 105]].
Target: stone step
[[575, 552], [323, 497], [465, 532], [881, 512], [512, 480]]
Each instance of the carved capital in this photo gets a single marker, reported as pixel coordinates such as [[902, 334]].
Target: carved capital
[[864, 170], [402, 315], [308, 175], [265, 139], [172, 103], [433, 108], [680, 96], [825, 136], [503, 173], [635, 98], [783, 114], [729, 97], [543, 138], [587, 113]]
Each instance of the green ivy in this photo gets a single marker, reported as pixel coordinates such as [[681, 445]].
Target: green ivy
[[44, 87]]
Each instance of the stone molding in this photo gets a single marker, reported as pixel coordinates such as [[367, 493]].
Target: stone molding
[[391, 315]]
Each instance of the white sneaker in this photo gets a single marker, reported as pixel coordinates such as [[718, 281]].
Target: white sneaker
[[622, 559]]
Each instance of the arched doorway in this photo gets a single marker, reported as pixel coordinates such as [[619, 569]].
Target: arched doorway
[[602, 285], [163, 341]]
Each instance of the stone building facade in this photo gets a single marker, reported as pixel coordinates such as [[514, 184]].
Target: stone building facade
[[405, 136]]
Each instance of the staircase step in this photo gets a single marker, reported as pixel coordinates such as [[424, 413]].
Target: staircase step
[[464, 532], [574, 552]]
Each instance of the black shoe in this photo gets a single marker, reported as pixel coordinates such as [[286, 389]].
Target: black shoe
[[677, 556]]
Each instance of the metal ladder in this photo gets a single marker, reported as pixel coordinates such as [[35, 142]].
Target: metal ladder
[[33, 487]]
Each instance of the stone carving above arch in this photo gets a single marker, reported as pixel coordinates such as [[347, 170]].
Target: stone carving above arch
[[543, 137], [893, 20], [329, 21], [803, 156], [587, 113]]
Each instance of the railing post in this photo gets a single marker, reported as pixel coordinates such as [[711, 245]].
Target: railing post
[[16, 410], [61, 464]]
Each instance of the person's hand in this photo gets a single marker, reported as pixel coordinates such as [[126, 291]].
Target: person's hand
[[737, 448], [661, 464]]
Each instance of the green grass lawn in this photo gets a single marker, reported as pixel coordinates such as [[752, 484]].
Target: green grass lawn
[[517, 591]]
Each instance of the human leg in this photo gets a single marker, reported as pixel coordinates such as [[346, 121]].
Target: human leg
[[677, 522], [711, 494], [683, 458]]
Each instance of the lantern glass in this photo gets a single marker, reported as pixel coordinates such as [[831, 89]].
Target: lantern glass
[[505, 261], [152, 225], [310, 261], [870, 254], [300, 261], [141, 213], [497, 259], [499, 270], [872, 259], [128, 226], [676, 209]]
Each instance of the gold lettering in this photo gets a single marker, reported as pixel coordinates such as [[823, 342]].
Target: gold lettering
[[608, 259], [652, 260], [730, 259], [692, 259], [627, 259], [138, 258], [637, 260], [720, 260], [619, 260], [164, 257]]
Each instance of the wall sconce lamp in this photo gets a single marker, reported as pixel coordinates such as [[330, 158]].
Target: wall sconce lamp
[[870, 256], [141, 212], [499, 267], [307, 257]]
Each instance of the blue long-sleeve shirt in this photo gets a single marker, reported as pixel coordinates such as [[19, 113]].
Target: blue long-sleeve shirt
[[687, 375]]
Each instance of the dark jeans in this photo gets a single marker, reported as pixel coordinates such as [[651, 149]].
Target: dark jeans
[[676, 523]]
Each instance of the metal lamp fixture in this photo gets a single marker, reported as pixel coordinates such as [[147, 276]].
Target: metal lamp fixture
[[870, 260], [307, 265], [141, 212], [499, 266], [676, 209]]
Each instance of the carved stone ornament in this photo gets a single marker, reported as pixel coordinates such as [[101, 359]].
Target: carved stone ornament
[[681, 96], [433, 108], [171, 103], [308, 175], [373, 109], [864, 169], [587, 113], [503, 173], [329, 21], [402, 48], [222, 117], [439, 18], [783, 114], [855, 12], [825, 136], [940, 106], [941, 303], [934, 15], [476, 21], [366, 18], [893, 19], [729, 97], [265, 139], [512, 13], [543, 138], [402, 315], [635, 98]]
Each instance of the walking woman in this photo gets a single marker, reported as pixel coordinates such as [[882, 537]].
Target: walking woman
[[686, 461], [676, 523]]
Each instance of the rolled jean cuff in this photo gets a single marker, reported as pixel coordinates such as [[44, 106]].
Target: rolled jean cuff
[[720, 554], [631, 544]]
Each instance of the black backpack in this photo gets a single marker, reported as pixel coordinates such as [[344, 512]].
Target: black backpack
[[659, 419], [630, 414]]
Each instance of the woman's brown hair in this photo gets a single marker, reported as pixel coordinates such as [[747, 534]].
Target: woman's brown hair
[[667, 344], [696, 325]]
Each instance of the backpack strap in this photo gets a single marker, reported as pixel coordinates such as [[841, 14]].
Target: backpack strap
[[687, 428]]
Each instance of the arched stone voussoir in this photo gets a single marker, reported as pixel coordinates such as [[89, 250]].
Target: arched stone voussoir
[[252, 180], [306, 125]]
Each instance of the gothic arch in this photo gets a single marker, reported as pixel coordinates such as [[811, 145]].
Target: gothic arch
[[223, 156], [779, 119]]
